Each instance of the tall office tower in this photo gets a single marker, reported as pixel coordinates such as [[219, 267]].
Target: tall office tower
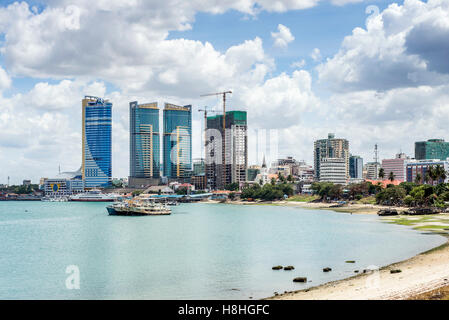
[[236, 153], [177, 142], [436, 149], [97, 142], [330, 148], [355, 167], [144, 144]]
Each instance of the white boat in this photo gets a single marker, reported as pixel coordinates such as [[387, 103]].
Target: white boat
[[138, 207], [94, 195]]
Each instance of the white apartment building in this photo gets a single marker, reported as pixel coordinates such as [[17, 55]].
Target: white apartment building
[[333, 170]]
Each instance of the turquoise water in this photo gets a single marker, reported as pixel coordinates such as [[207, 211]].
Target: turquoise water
[[201, 251]]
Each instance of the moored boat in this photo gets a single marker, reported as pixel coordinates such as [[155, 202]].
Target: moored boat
[[138, 207], [94, 196]]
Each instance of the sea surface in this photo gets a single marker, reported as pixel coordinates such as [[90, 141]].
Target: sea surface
[[201, 251]]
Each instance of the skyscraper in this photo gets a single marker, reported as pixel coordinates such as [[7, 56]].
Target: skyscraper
[[97, 142], [144, 144], [177, 141], [432, 149], [355, 167], [236, 153], [330, 148]]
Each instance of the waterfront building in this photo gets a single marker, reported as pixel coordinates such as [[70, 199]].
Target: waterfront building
[[96, 142], [355, 167], [371, 171], [396, 165], [64, 184], [333, 170], [235, 153], [177, 142], [330, 148], [432, 149], [144, 144], [415, 167]]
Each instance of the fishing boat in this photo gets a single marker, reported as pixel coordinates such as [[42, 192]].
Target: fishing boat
[[138, 207]]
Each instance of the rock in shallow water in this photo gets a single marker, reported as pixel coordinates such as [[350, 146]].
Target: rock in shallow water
[[300, 279], [327, 269], [277, 268], [289, 268]]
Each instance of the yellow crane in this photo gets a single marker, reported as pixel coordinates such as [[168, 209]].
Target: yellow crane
[[224, 129]]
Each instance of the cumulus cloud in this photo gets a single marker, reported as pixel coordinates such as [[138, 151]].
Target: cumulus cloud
[[298, 64], [5, 80], [403, 46], [283, 37]]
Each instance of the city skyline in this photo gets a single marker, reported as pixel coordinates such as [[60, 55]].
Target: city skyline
[[360, 69]]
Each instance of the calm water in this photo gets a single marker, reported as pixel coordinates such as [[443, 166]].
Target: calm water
[[202, 251]]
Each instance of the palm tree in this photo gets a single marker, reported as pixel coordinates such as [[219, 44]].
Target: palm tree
[[391, 176], [433, 174], [418, 178], [440, 173], [381, 173]]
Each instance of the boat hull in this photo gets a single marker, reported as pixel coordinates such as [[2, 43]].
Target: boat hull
[[92, 200], [126, 212]]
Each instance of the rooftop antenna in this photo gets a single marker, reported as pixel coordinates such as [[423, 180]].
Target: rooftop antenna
[[59, 169], [8, 181], [376, 154]]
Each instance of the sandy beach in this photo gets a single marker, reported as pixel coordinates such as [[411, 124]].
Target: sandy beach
[[420, 274], [422, 277]]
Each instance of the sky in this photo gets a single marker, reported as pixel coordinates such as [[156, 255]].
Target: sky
[[369, 71]]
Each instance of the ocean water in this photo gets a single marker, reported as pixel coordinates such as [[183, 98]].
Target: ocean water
[[201, 251]]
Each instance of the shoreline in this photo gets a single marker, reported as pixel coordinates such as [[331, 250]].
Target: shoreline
[[420, 275]]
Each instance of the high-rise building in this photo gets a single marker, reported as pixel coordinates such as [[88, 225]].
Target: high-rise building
[[144, 144], [330, 148], [333, 170], [436, 149], [177, 141], [397, 166], [97, 142], [235, 154], [355, 167]]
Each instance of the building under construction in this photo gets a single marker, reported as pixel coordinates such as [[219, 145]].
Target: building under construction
[[234, 151]]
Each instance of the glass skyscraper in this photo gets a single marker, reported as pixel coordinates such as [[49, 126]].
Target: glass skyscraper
[[432, 149], [355, 167], [97, 142], [177, 141], [144, 142]]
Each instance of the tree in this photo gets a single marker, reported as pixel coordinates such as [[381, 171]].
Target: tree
[[290, 178], [232, 186], [418, 178], [381, 173], [391, 176]]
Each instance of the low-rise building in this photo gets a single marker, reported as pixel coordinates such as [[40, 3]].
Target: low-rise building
[[418, 169]]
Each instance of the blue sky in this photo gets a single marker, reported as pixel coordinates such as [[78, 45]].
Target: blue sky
[[382, 85]]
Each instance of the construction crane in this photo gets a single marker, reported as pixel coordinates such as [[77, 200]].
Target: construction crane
[[205, 110], [224, 129]]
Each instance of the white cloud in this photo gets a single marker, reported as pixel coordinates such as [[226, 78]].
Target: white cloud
[[403, 46], [5, 80], [283, 37], [298, 64], [316, 54]]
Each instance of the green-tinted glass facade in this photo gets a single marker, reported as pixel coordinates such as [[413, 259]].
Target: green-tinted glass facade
[[432, 149], [144, 141], [177, 141]]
